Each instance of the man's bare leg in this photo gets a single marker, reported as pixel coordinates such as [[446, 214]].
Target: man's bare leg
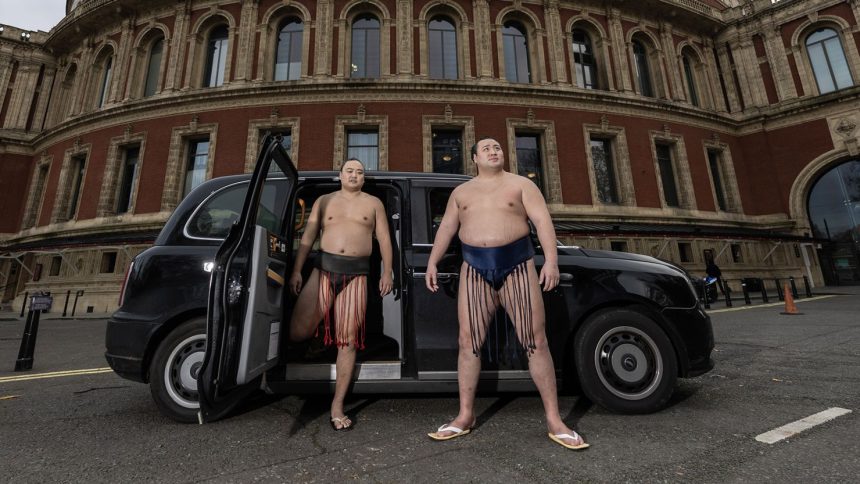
[[468, 365], [349, 308], [307, 313], [541, 366]]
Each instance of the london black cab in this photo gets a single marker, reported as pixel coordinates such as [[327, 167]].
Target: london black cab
[[204, 314]]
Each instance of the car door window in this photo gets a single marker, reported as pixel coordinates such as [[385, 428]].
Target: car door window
[[212, 220]]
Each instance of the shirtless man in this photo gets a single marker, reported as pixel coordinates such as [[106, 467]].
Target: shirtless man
[[348, 219], [491, 214]]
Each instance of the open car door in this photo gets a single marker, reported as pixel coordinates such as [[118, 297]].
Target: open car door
[[248, 292]]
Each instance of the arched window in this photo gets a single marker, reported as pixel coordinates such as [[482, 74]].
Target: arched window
[[216, 56], [834, 215], [828, 60], [365, 47], [106, 68], [288, 58], [690, 77], [584, 65], [153, 67], [443, 48], [643, 72], [516, 53]]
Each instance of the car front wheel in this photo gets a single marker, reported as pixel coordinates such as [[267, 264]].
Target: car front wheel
[[625, 361], [174, 370]]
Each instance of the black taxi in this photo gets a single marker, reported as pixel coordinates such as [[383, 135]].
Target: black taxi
[[204, 313]]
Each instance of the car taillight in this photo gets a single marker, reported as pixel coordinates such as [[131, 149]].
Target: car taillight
[[124, 283]]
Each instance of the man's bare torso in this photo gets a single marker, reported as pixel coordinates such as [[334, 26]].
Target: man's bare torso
[[491, 212], [347, 223]]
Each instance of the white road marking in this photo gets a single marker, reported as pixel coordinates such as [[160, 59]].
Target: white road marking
[[798, 426], [54, 374], [756, 306]]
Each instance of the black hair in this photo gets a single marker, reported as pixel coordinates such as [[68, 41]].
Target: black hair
[[475, 146], [352, 159]]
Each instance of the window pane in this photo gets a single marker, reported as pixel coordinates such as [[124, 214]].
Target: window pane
[[77, 167], [447, 151], [442, 54], [838, 64], [820, 68], [106, 75], [691, 81], [643, 73], [667, 175], [716, 177], [583, 59], [365, 48], [152, 69], [129, 175], [288, 58], [198, 158], [604, 171], [214, 218], [516, 53], [364, 145], [216, 59], [529, 163]]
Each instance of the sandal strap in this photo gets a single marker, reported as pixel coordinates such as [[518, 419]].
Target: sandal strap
[[450, 428]]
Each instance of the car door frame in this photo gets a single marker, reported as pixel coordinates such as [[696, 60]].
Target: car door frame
[[224, 378]]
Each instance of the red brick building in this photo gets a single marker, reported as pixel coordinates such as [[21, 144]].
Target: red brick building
[[683, 129]]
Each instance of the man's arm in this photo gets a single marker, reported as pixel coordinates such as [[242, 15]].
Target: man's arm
[[446, 231], [383, 236], [538, 213], [312, 228]]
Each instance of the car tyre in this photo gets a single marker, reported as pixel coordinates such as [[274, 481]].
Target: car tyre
[[625, 361], [174, 369]]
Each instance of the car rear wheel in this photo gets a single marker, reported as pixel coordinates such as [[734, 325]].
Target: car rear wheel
[[174, 369], [625, 361]]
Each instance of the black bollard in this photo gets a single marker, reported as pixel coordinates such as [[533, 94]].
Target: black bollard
[[779, 293], [79, 293], [793, 287], [728, 294], [746, 292], [28, 341], [24, 306], [705, 297], [807, 287], [66, 305], [763, 291]]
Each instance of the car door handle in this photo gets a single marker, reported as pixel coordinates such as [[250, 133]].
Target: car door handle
[[440, 276], [565, 277]]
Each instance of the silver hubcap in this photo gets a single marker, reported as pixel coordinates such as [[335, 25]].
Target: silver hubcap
[[628, 363], [182, 369]]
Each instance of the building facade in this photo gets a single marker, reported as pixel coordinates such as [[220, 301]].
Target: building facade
[[682, 129]]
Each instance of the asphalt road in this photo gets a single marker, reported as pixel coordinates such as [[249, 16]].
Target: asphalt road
[[771, 370]]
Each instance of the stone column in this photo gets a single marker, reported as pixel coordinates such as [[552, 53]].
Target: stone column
[[619, 50], [483, 32], [776, 57], [82, 79], [555, 39], [323, 39], [178, 41], [403, 33], [122, 60], [676, 90], [728, 77], [712, 75], [22, 96], [44, 94], [748, 71], [245, 47]]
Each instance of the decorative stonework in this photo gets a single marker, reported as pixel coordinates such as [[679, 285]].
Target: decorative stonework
[[726, 166], [620, 158], [681, 166], [551, 171], [464, 123], [258, 127], [174, 177], [360, 120], [114, 170], [61, 212]]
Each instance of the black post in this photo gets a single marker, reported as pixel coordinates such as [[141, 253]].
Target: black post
[[23, 306], [728, 294], [793, 287], [763, 291], [705, 297], [66, 306], [78, 294], [28, 342], [779, 293], [746, 292], [807, 287]]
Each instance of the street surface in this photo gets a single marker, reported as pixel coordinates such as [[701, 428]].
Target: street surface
[[772, 370]]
